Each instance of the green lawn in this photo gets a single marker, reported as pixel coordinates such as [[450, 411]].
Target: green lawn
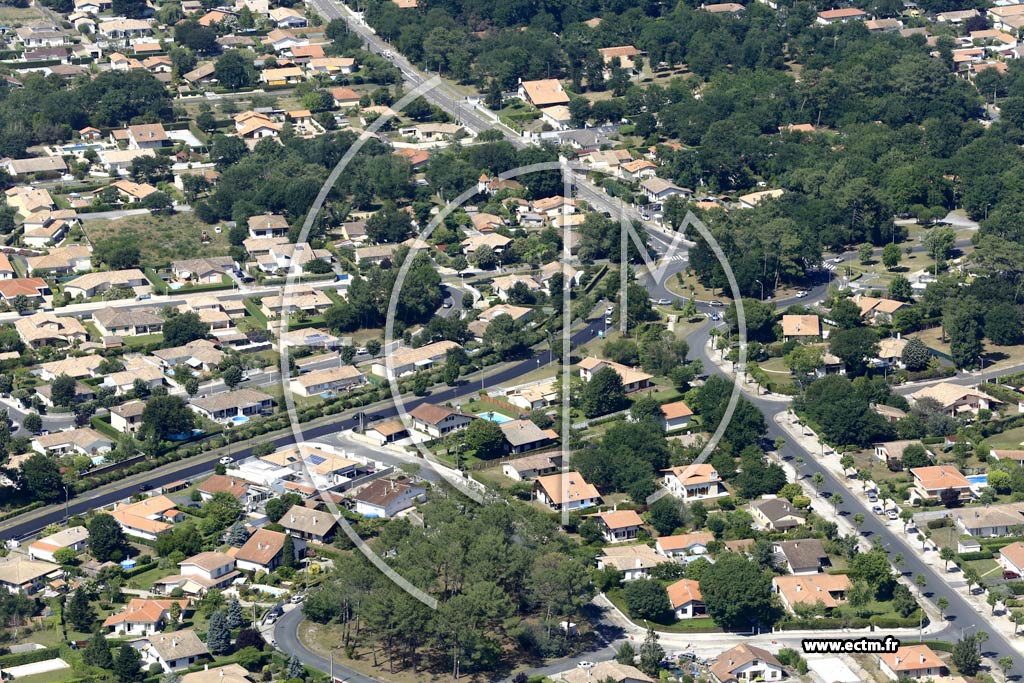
[[50, 677], [986, 569], [143, 340], [147, 578], [703, 625], [1010, 440]]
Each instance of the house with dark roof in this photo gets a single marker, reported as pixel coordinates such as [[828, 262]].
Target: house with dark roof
[[746, 663], [776, 514], [387, 497], [437, 421], [264, 551], [174, 651], [803, 556], [524, 435], [312, 525]]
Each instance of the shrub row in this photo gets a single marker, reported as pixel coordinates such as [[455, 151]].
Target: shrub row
[[31, 657]]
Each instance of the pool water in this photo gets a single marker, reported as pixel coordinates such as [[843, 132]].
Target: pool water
[[978, 479], [495, 417], [240, 419]]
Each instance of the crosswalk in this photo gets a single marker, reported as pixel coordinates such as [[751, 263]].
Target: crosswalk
[[830, 266]]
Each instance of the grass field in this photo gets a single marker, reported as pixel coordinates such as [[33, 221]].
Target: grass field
[[18, 15], [994, 357], [161, 239], [50, 677], [1011, 439]]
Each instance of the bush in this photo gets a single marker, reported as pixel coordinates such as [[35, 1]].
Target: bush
[[971, 557], [20, 658], [938, 523]]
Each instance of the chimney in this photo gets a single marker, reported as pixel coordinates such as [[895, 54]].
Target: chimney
[[897, 660], [174, 642], [922, 658], [206, 667]]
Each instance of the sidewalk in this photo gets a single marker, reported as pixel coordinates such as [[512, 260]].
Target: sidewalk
[[746, 384], [929, 553]]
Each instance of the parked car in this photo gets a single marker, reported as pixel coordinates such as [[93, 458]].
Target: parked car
[[226, 460], [892, 514], [877, 509], [872, 496]]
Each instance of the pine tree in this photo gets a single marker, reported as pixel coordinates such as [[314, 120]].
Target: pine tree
[[97, 652], [651, 654], [235, 618], [218, 636], [128, 665], [79, 612], [238, 535], [295, 668], [288, 552]]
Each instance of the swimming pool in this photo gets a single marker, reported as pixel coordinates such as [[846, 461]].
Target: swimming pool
[[495, 417], [978, 479], [239, 419]]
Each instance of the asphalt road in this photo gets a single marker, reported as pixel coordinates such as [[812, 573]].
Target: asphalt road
[[960, 613]]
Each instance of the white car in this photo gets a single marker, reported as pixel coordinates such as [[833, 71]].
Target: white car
[[837, 259], [584, 665], [801, 294], [226, 460], [892, 514], [877, 509], [608, 320]]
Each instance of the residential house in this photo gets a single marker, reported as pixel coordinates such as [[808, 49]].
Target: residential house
[[617, 525], [911, 661], [776, 514], [268, 225], [119, 161], [229, 405], [566, 490], [417, 158], [877, 310], [80, 393], [436, 421], [745, 664], [42, 329], [683, 546], [127, 417], [32, 288], [890, 352], [749, 201], [992, 521], [675, 416], [733, 8], [532, 466], [841, 16], [686, 600], [61, 261], [632, 380], [827, 590], [956, 399], [492, 240], [535, 396], [387, 431], [694, 482], [1016, 456], [307, 300], [386, 498], [634, 561], [147, 136], [48, 228], [264, 551], [81, 441], [240, 490], [930, 482], [199, 355], [800, 327], [376, 254], [142, 616], [312, 338], [1011, 559], [127, 322], [543, 93], [207, 270], [29, 200], [603, 671], [123, 28], [6, 269], [344, 98], [657, 190], [638, 170], [148, 518], [325, 468], [174, 651], [75, 538], [484, 319], [229, 673], [406, 361], [91, 284], [77, 367], [34, 166], [136, 369], [288, 75], [286, 17], [502, 286], [624, 53], [252, 126], [893, 450], [801, 557], [291, 258], [524, 435], [311, 525], [327, 381], [20, 575]]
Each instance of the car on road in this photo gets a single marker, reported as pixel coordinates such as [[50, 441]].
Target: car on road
[[608, 320], [447, 303], [144, 487], [609, 310], [801, 293], [663, 302], [892, 514], [584, 665], [877, 509], [716, 316], [837, 259], [296, 599], [226, 460], [716, 303]]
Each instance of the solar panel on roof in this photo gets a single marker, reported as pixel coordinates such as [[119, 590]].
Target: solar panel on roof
[[317, 460]]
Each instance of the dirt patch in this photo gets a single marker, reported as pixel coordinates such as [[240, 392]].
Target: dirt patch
[[162, 239]]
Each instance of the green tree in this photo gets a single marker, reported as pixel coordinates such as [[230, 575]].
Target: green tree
[[967, 656], [167, 416], [947, 554], [873, 568], [235, 618], [62, 390], [961, 325], [218, 636], [603, 394], [97, 652], [865, 253], [182, 328], [40, 476], [646, 599], [128, 665], [107, 542], [485, 438], [665, 515], [288, 553], [916, 355], [79, 612], [295, 669], [854, 346], [737, 592], [234, 71], [651, 654], [232, 376], [1003, 324], [943, 604], [845, 314], [626, 654], [891, 256]]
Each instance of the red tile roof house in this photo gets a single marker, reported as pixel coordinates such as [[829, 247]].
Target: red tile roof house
[[142, 616], [263, 551], [1011, 558], [684, 545], [930, 482], [911, 661], [617, 525], [746, 663], [686, 599]]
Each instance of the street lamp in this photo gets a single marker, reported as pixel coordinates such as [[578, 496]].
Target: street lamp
[[762, 288], [67, 498]]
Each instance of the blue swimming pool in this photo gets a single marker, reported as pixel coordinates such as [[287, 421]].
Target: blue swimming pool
[[239, 419], [495, 417], [978, 479]]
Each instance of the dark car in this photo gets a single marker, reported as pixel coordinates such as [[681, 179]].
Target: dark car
[[144, 487]]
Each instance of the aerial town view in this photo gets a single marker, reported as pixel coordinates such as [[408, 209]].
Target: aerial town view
[[590, 341]]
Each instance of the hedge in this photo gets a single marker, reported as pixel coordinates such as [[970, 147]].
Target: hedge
[[823, 624], [20, 658], [940, 645], [971, 557], [896, 622], [1016, 587], [937, 523], [22, 510]]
